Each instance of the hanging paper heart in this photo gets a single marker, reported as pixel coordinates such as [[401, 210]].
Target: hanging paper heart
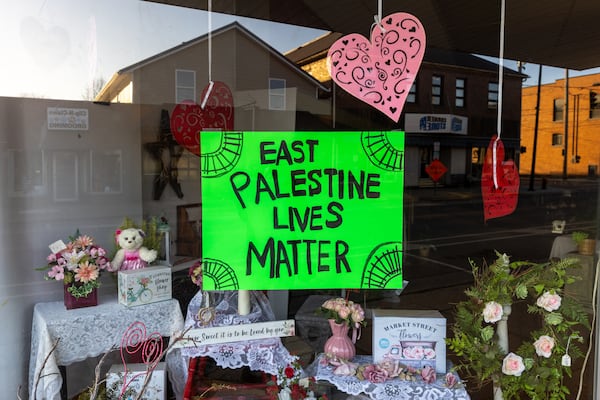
[[502, 199], [188, 119], [380, 72]]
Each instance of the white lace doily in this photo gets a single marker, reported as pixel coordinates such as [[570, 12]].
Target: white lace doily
[[394, 389]]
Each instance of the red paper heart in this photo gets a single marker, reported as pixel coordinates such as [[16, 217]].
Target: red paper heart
[[380, 72], [502, 199], [188, 119]]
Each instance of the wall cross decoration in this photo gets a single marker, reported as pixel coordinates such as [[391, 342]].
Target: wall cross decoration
[[168, 162]]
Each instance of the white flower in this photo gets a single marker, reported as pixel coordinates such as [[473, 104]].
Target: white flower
[[492, 312], [513, 365], [544, 345], [549, 301]]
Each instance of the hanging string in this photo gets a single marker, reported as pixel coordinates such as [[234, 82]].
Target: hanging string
[[210, 81], [500, 85], [378, 17]]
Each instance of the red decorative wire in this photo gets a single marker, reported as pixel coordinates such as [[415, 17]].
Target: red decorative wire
[[134, 341]]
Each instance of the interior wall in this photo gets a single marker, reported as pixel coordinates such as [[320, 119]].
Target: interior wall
[[53, 183]]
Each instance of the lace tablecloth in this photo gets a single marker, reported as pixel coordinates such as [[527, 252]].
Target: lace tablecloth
[[88, 332], [394, 389], [267, 355]]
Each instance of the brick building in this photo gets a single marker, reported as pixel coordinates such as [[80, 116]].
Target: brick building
[[578, 143]]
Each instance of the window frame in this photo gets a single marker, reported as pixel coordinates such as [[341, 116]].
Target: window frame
[[594, 105], [179, 86], [274, 94], [411, 97], [440, 90], [558, 110], [492, 97], [460, 98], [558, 140]]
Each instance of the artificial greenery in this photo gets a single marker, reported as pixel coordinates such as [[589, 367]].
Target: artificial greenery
[[578, 237], [475, 341]]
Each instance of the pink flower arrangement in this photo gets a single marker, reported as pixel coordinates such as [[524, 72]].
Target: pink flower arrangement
[[195, 273], [344, 311], [78, 264]]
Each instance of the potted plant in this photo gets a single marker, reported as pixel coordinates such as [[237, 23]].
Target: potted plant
[[585, 244], [78, 264]]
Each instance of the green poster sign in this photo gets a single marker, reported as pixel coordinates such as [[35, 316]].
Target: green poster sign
[[302, 210]]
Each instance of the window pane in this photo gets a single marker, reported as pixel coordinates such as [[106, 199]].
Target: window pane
[[276, 84], [185, 94], [185, 78]]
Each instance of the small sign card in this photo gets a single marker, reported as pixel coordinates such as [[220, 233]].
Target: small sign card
[[237, 333]]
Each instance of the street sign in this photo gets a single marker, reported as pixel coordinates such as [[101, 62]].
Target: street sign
[[436, 170]]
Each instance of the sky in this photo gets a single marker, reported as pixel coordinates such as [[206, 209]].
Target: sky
[[57, 48]]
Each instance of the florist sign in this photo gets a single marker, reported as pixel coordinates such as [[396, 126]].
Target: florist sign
[[293, 210]]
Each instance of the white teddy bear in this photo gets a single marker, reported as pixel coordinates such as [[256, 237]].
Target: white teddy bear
[[132, 254]]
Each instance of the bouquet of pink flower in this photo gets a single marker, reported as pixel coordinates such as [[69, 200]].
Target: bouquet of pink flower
[[344, 311], [195, 273], [78, 264]]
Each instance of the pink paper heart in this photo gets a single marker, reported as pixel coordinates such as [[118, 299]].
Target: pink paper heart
[[188, 119], [501, 200], [380, 72]]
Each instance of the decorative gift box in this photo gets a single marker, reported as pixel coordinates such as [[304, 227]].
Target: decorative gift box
[[143, 286], [136, 374], [414, 338]]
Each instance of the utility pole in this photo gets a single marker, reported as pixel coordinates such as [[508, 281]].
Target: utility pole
[[535, 130], [566, 117]]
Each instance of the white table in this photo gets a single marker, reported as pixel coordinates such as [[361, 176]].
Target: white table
[[266, 355], [88, 332], [392, 389], [561, 246]]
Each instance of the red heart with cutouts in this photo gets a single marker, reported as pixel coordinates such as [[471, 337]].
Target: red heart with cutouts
[[380, 72], [502, 199], [188, 119]]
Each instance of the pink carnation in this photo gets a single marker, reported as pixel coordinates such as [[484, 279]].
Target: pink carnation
[[375, 374], [428, 374], [450, 380]]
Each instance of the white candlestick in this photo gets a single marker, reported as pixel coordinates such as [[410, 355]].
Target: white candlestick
[[243, 302]]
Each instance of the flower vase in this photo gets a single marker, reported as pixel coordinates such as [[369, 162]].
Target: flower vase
[[339, 345], [72, 302]]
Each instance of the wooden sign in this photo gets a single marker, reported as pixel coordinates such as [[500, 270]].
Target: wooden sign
[[301, 210], [237, 333]]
